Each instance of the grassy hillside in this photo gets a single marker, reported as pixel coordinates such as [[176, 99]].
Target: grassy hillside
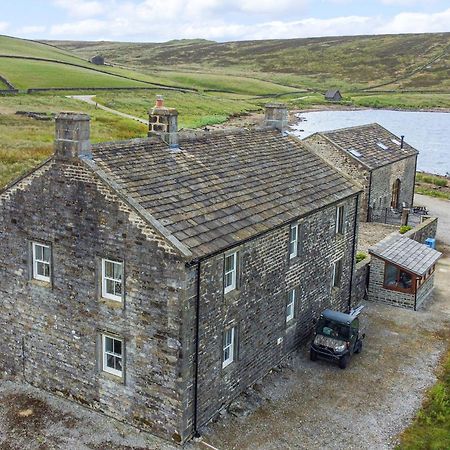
[[25, 142], [25, 74], [357, 61]]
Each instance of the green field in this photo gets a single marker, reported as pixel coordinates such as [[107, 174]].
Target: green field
[[25, 74], [26, 142]]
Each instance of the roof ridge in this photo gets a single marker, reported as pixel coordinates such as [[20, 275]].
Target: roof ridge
[[142, 212]]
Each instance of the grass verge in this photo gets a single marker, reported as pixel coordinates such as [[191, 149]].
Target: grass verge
[[431, 428]]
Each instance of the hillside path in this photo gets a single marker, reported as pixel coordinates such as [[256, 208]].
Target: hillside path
[[89, 99]]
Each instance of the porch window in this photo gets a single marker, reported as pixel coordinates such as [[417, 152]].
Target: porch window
[[41, 262], [290, 307], [112, 355], [228, 347], [397, 279], [293, 241], [339, 226], [230, 272], [112, 279]]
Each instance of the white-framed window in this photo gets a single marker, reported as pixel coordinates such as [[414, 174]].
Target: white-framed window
[[112, 279], [336, 273], [290, 306], [229, 337], [293, 241], [230, 272], [112, 349], [339, 226], [41, 262]]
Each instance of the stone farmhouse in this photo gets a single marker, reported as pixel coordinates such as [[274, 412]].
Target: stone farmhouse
[[382, 163], [156, 279]]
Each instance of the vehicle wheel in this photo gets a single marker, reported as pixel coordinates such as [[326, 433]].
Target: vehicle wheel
[[313, 355], [358, 347], [343, 362]]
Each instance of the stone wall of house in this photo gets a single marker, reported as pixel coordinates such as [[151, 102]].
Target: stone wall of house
[[383, 179], [344, 163], [424, 294], [427, 229], [51, 331], [377, 292], [258, 307], [360, 281]]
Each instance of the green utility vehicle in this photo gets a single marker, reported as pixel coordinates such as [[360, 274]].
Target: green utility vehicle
[[337, 336]]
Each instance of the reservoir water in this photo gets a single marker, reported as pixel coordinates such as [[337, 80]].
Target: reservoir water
[[428, 132]]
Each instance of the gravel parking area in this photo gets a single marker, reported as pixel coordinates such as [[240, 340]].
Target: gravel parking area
[[302, 405], [316, 405]]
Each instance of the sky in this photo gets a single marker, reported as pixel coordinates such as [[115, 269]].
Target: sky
[[219, 20]]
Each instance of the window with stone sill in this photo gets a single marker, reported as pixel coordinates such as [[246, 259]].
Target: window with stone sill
[[336, 274], [41, 262], [290, 306], [293, 241], [112, 349], [230, 272], [339, 224], [228, 352], [112, 280]]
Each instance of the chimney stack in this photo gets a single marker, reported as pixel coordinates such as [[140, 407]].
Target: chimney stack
[[276, 116], [163, 122], [72, 136]]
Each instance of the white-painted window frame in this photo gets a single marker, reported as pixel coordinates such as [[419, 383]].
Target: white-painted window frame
[[230, 274], [290, 306], [119, 356], [228, 348], [37, 261], [340, 218], [293, 240], [105, 279]]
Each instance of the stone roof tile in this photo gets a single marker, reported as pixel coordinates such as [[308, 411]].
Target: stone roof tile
[[220, 189]]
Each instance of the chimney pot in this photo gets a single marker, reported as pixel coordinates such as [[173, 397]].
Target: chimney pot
[[72, 138], [159, 101], [402, 141]]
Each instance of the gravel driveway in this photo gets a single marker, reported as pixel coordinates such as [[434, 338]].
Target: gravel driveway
[[304, 405], [440, 208], [317, 405]]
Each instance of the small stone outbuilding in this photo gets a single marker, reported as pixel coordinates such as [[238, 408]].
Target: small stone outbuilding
[[381, 162], [333, 95], [99, 60], [402, 272]]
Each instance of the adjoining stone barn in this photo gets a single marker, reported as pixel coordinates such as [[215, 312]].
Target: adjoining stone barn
[[156, 279], [381, 162], [402, 272]]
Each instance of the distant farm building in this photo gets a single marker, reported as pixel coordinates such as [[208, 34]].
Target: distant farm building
[[333, 95], [97, 59]]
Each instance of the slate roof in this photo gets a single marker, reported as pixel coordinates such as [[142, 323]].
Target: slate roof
[[365, 141], [331, 93], [222, 188], [406, 253]]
